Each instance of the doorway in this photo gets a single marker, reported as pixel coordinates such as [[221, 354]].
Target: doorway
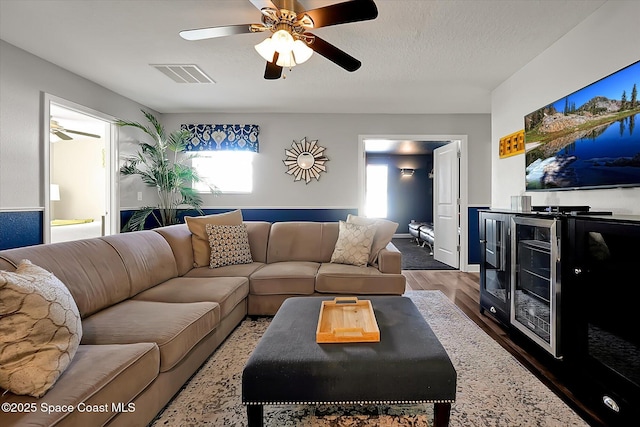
[[80, 162], [400, 145]]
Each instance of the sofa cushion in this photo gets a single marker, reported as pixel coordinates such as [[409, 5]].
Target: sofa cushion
[[238, 270], [302, 241], [91, 269], [384, 233], [349, 279], [288, 277], [147, 256], [258, 232], [179, 238], [200, 239], [175, 328], [40, 329], [354, 244], [98, 375], [229, 245], [228, 292]]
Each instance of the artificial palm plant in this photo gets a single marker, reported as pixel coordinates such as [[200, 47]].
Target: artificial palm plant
[[163, 165]]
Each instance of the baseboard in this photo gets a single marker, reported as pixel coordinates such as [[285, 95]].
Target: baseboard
[[473, 268], [402, 236]]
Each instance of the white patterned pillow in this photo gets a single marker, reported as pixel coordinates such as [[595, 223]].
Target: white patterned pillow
[[40, 329], [229, 245], [354, 244], [384, 233]]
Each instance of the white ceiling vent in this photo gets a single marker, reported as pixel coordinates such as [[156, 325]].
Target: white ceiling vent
[[183, 73]]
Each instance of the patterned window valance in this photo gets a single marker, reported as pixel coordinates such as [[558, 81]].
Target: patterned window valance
[[223, 137]]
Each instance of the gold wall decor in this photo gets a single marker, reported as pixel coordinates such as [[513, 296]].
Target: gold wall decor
[[305, 160], [512, 144]]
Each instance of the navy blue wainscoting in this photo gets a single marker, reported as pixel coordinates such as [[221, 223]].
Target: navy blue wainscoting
[[474, 234], [267, 214], [20, 228]]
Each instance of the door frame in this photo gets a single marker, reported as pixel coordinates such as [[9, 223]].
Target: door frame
[[463, 179], [111, 161]]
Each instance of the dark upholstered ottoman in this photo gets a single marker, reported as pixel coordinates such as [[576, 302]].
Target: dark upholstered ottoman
[[408, 365]]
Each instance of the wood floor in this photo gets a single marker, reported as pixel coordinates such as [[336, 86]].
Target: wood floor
[[463, 289]]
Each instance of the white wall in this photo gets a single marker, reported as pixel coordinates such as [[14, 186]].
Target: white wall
[[338, 187], [78, 167], [605, 42], [23, 80], [25, 77]]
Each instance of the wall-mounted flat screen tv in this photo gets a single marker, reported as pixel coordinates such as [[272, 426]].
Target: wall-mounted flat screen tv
[[587, 139]]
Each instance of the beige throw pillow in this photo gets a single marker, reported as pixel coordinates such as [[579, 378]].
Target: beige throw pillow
[[40, 329], [385, 230], [354, 244], [200, 239], [229, 245]]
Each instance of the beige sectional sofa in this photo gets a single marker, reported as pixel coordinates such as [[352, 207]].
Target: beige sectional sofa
[[150, 319]]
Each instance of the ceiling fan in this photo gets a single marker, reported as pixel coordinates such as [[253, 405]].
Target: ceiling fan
[[291, 43], [56, 129]]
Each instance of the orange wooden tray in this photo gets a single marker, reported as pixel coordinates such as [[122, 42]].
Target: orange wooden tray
[[347, 319]]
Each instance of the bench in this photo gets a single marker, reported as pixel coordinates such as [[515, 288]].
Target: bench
[[423, 233]]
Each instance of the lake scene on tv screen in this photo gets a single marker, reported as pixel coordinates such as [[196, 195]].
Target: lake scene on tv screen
[[587, 139]]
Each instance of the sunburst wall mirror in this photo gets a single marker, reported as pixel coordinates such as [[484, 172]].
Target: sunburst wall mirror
[[305, 160]]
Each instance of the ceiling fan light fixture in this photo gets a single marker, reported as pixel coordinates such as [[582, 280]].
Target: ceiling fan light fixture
[[290, 52]]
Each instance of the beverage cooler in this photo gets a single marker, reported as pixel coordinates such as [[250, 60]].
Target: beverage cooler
[[495, 266], [535, 280]]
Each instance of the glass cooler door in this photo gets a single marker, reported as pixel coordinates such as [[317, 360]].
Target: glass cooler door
[[496, 282], [535, 289]]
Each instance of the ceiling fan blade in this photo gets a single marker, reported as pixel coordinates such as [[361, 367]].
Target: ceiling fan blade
[[334, 54], [262, 4], [293, 5], [61, 135], [212, 32], [91, 135], [273, 71], [342, 13]]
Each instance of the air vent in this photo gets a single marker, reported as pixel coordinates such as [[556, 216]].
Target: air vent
[[183, 73]]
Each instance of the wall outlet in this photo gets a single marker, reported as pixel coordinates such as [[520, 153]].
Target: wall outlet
[[139, 196]]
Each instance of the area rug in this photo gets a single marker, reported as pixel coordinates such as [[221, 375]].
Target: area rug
[[494, 389], [415, 257]]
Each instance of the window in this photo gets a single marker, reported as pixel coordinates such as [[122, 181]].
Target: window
[[376, 191], [230, 171]]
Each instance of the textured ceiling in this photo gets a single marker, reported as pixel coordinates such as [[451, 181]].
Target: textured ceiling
[[418, 56]]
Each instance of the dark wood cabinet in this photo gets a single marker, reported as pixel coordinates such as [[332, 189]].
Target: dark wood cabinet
[[599, 266], [495, 271], [601, 328]]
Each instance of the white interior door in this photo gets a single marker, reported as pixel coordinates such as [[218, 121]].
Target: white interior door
[[446, 203]]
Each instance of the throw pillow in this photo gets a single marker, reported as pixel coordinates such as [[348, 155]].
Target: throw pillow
[[199, 237], [229, 245], [40, 329], [354, 244], [384, 233]]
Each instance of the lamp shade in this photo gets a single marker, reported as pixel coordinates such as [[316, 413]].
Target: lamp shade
[[266, 49], [282, 41], [285, 59], [54, 192], [301, 51]]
